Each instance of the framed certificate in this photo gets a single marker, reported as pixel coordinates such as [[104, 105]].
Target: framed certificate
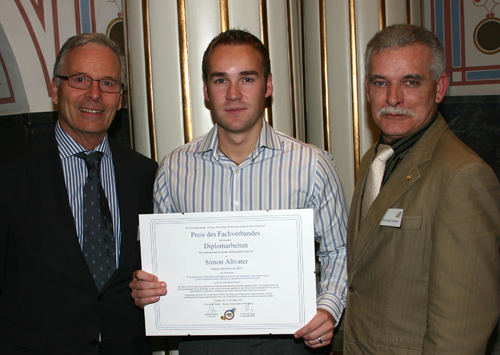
[[230, 273]]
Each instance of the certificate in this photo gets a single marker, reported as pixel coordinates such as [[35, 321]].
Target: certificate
[[230, 273]]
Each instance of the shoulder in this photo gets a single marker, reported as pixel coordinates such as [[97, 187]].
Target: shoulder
[[318, 160], [453, 154], [184, 152], [290, 143], [28, 150], [139, 162], [451, 166]]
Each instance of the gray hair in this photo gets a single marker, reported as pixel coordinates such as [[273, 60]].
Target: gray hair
[[82, 39], [399, 36]]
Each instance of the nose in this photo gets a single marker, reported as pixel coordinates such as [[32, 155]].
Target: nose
[[394, 95], [233, 92], [94, 91]]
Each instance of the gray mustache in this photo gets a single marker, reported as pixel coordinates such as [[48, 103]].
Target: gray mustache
[[396, 111]]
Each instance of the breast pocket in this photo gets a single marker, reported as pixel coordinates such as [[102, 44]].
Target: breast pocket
[[411, 222]]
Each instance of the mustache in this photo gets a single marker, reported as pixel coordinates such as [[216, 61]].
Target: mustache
[[396, 111]]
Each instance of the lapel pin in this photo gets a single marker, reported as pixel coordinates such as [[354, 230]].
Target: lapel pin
[[409, 176]]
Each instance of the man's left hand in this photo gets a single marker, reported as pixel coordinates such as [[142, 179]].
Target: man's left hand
[[319, 331]]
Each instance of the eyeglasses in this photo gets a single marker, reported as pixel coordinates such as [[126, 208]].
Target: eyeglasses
[[83, 82]]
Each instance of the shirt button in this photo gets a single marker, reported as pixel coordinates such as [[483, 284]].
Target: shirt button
[[236, 203], [237, 171]]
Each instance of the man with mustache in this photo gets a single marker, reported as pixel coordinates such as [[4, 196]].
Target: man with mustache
[[69, 206], [423, 263], [242, 164]]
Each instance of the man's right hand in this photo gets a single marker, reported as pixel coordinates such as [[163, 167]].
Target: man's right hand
[[146, 288]]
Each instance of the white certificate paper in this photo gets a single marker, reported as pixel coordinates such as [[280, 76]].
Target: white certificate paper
[[230, 273]]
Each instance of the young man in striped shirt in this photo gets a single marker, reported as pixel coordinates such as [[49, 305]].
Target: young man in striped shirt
[[243, 164]]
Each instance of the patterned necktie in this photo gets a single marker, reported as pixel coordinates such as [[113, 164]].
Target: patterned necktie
[[375, 176], [98, 236]]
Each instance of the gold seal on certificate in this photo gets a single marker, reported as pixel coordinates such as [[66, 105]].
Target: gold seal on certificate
[[230, 273]]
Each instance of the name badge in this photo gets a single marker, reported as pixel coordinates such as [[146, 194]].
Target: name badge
[[392, 218]]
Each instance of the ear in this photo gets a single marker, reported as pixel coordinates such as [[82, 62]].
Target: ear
[[120, 102], [269, 85], [205, 91], [55, 98], [366, 89], [441, 87]]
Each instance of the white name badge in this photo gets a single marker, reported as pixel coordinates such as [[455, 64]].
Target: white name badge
[[392, 218]]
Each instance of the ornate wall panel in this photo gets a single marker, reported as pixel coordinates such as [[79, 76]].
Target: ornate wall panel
[[245, 14], [341, 77], [165, 64], [366, 26], [175, 35], [340, 91], [316, 49], [395, 11], [470, 33], [277, 34], [138, 92], [416, 12], [312, 72], [31, 34]]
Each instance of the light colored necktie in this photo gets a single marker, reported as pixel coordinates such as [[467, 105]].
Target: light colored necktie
[[375, 176]]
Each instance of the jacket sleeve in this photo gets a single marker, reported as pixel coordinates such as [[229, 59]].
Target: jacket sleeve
[[463, 304]]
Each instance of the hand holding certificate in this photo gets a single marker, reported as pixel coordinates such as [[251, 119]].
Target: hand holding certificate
[[230, 272]]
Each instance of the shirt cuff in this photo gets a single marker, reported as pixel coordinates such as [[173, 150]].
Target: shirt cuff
[[333, 304]]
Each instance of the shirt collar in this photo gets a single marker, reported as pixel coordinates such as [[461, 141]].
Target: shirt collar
[[268, 138], [69, 147]]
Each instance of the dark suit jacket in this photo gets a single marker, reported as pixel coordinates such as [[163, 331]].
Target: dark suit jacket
[[430, 286], [49, 303]]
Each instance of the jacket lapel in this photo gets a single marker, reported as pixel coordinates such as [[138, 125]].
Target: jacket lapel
[[355, 210], [126, 189], [402, 179], [46, 173]]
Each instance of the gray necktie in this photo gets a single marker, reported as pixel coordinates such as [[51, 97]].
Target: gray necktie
[[375, 176], [98, 236]]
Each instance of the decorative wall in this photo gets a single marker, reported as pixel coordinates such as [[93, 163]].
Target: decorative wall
[[470, 33], [31, 34], [316, 48]]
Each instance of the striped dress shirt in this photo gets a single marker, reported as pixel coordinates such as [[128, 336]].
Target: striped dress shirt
[[281, 173], [75, 175]]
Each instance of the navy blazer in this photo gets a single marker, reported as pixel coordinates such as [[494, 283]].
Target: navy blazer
[[49, 303]]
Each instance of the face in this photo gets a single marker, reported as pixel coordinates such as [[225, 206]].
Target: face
[[237, 89], [401, 90], [87, 114]]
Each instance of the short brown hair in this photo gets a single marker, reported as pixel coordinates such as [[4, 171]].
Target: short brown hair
[[237, 37]]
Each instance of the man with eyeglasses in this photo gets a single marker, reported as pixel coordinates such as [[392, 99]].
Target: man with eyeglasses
[[69, 206]]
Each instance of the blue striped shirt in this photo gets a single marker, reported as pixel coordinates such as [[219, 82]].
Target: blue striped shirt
[[75, 175], [281, 173]]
